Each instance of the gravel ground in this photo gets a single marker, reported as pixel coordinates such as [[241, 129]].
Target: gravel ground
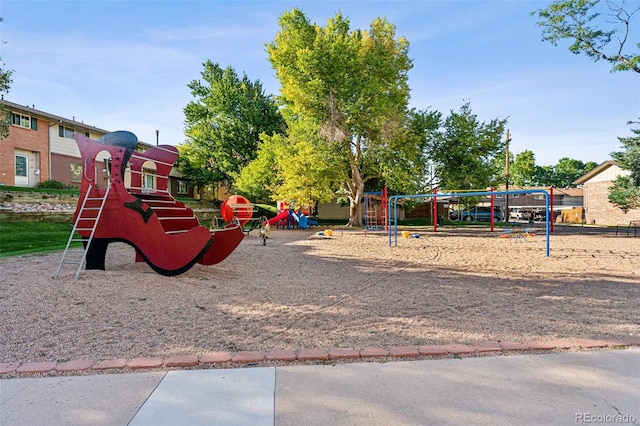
[[304, 290]]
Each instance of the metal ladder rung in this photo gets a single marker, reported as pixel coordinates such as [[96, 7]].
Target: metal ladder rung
[[176, 218], [167, 208], [92, 230]]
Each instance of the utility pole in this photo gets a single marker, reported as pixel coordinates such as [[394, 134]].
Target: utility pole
[[157, 137], [506, 174]]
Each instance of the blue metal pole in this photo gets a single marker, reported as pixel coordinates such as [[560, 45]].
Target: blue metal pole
[[546, 199]]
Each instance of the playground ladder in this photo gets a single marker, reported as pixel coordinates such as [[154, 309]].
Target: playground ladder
[[92, 230], [372, 216], [376, 209]]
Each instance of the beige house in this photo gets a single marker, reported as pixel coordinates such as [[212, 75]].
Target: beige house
[[596, 184]]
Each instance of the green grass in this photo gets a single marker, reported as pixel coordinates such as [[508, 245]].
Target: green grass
[[18, 238], [43, 190]]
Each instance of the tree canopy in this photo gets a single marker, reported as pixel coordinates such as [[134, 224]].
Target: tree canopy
[[223, 124], [465, 149], [563, 173], [625, 191], [522, 170], [600, 30], [349, 89]]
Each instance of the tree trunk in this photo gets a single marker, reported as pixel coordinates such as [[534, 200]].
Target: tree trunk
[[356, 187], [355, 213]]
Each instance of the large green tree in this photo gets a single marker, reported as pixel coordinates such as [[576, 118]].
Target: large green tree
[[600, 30], [258, 179], [223, 124], [408, 168], [304, 168], [625, 191], [522, 170], [298, 166], [563, 173], [350, 87], [198, 166], [465, 151]]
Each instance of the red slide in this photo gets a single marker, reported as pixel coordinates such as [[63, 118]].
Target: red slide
[[279, 217]]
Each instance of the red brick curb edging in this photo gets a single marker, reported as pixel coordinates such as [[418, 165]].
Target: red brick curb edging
[[215, 358], [11, 369], [140, 363], [109, 364]]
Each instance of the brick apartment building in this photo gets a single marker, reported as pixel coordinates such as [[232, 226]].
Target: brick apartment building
[[40, 147]]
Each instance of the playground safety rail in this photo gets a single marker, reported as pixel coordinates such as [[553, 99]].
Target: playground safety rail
[[393, 202]]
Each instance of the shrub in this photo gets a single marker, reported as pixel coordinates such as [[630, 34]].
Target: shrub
[[54, 184], [51, 184]]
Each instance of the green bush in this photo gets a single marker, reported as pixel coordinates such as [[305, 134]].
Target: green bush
[[51, 184], [55, 184]]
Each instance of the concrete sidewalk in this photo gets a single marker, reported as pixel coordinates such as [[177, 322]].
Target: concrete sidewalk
[[544, 389]]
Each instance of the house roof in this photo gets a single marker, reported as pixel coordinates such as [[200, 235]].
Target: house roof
[[569, 192], [50, 117], [71, 123], [595, 171]]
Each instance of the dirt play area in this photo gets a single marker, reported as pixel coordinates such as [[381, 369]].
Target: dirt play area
[[349, 290]]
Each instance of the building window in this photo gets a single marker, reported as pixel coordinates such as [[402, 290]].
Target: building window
[[148, 179], [65, 132], [183, 187], [76, 172], [24, 121]]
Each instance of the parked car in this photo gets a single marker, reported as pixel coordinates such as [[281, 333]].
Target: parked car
[[477, 214], [540, 215], [519, 214], [454, 214]]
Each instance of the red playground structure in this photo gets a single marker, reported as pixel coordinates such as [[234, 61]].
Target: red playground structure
[[165, 233], [289, 217], [375, 207]]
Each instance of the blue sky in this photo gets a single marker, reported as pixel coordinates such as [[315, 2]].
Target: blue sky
[[125, 65]]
